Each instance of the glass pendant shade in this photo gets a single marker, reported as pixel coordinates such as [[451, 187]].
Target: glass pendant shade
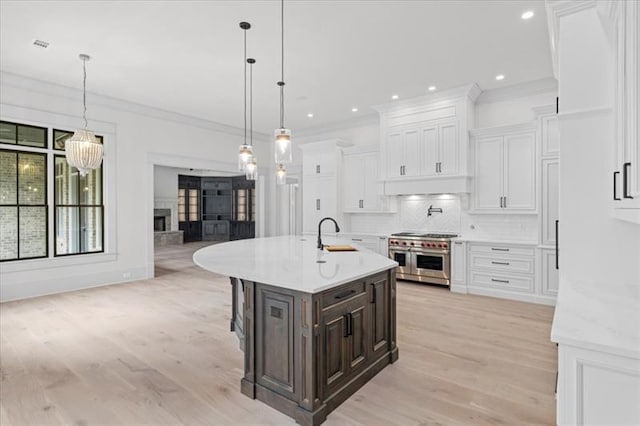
[[251, 172], [281, 175], [283, 146], [83, 151], [244, 156]]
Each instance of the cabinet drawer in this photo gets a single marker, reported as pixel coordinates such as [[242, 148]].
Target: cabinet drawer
[[503, 263], [523, 283], [343, 293], [502, 249]]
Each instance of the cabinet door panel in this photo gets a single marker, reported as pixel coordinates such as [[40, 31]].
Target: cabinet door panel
[[488, 173], [327, 196], [310, 197], [550, 280], [550, 200], [458, 263], [378, 318], [411, 144], [429, 151], [448, 148], [370, 198], [336, 367], [520, 172], [356, 346], [550, 136], [395, 157], [354, 178]]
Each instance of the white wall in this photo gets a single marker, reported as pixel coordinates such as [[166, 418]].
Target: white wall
[[511, 111], [137, 137]]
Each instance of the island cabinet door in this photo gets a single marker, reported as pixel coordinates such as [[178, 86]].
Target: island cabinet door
[[358, 335], [378, 290], [334, 364]]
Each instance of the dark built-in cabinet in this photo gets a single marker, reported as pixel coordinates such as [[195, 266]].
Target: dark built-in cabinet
[[216, 208]]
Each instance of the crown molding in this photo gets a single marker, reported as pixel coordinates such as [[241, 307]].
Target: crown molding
[[324, 144], [542, 110], [470, 91], [501, 130], [18, 81], [528, 88], [363, 120], [557, 9]]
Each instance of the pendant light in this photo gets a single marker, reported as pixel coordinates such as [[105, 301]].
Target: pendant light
[[281, 174], [251, 171], [282, 135], [83, 151], [245, 154]]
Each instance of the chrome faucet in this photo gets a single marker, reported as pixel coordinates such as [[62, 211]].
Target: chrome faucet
[[320, 245]]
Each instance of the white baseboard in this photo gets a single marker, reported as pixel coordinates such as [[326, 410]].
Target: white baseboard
[[512, 295], [18, 291]]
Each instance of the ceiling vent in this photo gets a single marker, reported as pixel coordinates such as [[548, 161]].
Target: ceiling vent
[[40, 43]]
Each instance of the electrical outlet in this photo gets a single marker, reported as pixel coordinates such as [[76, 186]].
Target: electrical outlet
[[126, 275]]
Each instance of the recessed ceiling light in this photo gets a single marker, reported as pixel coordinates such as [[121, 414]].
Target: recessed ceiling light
[[394, 97], [528, 14], [354, 109], [310, 115], [500, 77], [432, 88], [41, 43]]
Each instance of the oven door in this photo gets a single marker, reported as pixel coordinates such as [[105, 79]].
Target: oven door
[[430, 264], [403, 257]]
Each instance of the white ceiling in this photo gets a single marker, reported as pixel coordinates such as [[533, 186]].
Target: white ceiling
[[186, 56]]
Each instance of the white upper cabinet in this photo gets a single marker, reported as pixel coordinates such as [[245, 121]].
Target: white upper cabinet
[[550, 200], [426, 138], [626, 168], [360, 193], [550, 136], [489, 173], [505, 169]]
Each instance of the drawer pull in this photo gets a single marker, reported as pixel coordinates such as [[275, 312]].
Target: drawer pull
[[345, 294], [500, 263], [500, 281], [356, 239], [499, 249]]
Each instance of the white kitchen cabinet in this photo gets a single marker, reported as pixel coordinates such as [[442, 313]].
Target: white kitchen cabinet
[[550, 136], [626, 168], [459, 266], [549, 279], [439, 149], [318, 201], [360, 189], [550, 200], [321, 182], [427, 138], [403, 148], [505, 170]]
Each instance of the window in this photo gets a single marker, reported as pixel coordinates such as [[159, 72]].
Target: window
[[79, 211], [23, 205], [25, 188]]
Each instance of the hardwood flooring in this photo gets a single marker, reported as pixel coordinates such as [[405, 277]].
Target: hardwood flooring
[[160, 352]]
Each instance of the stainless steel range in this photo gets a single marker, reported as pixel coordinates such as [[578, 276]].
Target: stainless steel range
[[422, 257]]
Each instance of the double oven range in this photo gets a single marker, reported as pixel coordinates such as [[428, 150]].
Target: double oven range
[[422, 257]]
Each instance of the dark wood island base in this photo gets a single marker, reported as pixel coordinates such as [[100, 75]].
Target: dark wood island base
[[304, 353]]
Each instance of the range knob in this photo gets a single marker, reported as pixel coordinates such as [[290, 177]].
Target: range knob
[[404, 243], [423, 244], [411, 243], [444, 245]]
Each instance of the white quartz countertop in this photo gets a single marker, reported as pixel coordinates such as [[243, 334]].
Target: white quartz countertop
[[291, 262], [604, 318]]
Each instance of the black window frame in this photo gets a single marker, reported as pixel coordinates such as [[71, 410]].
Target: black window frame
[[17, 205], [79, 207], [46, 135]]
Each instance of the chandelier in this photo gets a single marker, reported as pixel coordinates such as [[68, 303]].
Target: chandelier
[[83, 151]]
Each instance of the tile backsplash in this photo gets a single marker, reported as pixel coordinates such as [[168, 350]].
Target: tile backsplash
[[455, 218]]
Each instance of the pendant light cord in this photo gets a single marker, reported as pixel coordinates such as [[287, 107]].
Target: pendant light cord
[[84, 92], [245, 86], [251, 103], [282, 64]]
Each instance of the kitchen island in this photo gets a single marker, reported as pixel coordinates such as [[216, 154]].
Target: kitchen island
[[314, 325]]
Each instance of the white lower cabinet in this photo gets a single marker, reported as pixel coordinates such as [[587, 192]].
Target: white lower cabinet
[[459, 267], [505, 270], [375, 243], [597, 388], [549, 277]]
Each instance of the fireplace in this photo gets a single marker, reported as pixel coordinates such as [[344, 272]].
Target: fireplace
[[161, 220]]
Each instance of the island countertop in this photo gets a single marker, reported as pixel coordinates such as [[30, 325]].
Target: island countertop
[[293, 262]]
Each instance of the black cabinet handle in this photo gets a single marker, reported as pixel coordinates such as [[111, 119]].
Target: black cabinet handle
[[345, 294], [350, 324], [500, 263], [505, 201], [615, 189], [499, 249], [345, 330], [373, 294], [625, 185], [317, 168], [500, 281], [557, 245], [317, 203]]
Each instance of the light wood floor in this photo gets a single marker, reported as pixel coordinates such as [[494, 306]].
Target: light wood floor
[[160, 352]]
